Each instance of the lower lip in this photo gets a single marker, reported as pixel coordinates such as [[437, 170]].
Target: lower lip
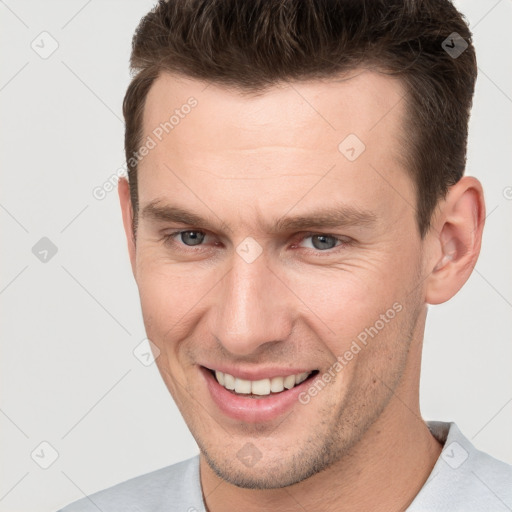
[[252, 410]]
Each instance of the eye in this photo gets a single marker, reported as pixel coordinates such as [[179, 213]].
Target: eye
[[192, 237], [312, 242], [321, 242], [189, 238]]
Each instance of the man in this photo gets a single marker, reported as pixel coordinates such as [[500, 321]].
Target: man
[[295, 200]]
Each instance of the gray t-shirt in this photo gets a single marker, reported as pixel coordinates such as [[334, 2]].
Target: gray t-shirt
[[463, 479]]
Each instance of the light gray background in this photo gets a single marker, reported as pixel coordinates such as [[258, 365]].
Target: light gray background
[[70, 325]]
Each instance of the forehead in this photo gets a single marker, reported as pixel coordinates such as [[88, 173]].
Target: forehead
[[364, 102], [214, 140]]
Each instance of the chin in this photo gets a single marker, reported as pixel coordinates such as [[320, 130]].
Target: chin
[[274, 473]]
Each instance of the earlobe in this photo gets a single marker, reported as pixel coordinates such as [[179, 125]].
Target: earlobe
[[127, 214], [457, 235]]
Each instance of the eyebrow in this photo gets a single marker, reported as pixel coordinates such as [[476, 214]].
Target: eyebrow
[[333, 217]]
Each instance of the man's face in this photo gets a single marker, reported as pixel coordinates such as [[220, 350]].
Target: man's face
[[248, 292]]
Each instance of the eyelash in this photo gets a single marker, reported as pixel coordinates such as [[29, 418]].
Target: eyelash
[[169, 239]]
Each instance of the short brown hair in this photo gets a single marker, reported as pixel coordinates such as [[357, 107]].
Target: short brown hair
[[252, 44]]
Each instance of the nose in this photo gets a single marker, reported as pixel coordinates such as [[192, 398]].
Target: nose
[[254, 307]]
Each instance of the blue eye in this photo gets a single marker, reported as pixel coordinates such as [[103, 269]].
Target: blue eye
[[187, 238], [315, 244], [322, 242], [191, 237]]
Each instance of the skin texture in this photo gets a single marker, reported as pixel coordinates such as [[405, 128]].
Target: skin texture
[[241, 162]]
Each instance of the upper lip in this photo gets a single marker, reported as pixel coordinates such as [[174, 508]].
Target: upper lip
[[258, 373]]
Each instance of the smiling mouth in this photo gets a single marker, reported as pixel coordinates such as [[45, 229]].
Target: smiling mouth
[[260, 388]]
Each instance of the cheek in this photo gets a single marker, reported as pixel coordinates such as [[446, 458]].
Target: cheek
[[163, 284], [173, 297], [165, 295], [345, 301], [362, 304]]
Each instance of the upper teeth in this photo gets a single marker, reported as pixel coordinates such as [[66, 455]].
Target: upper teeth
[[259, 387]]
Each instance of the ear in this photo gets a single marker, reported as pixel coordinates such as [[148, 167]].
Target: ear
[[123, 189], [455, 238]]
